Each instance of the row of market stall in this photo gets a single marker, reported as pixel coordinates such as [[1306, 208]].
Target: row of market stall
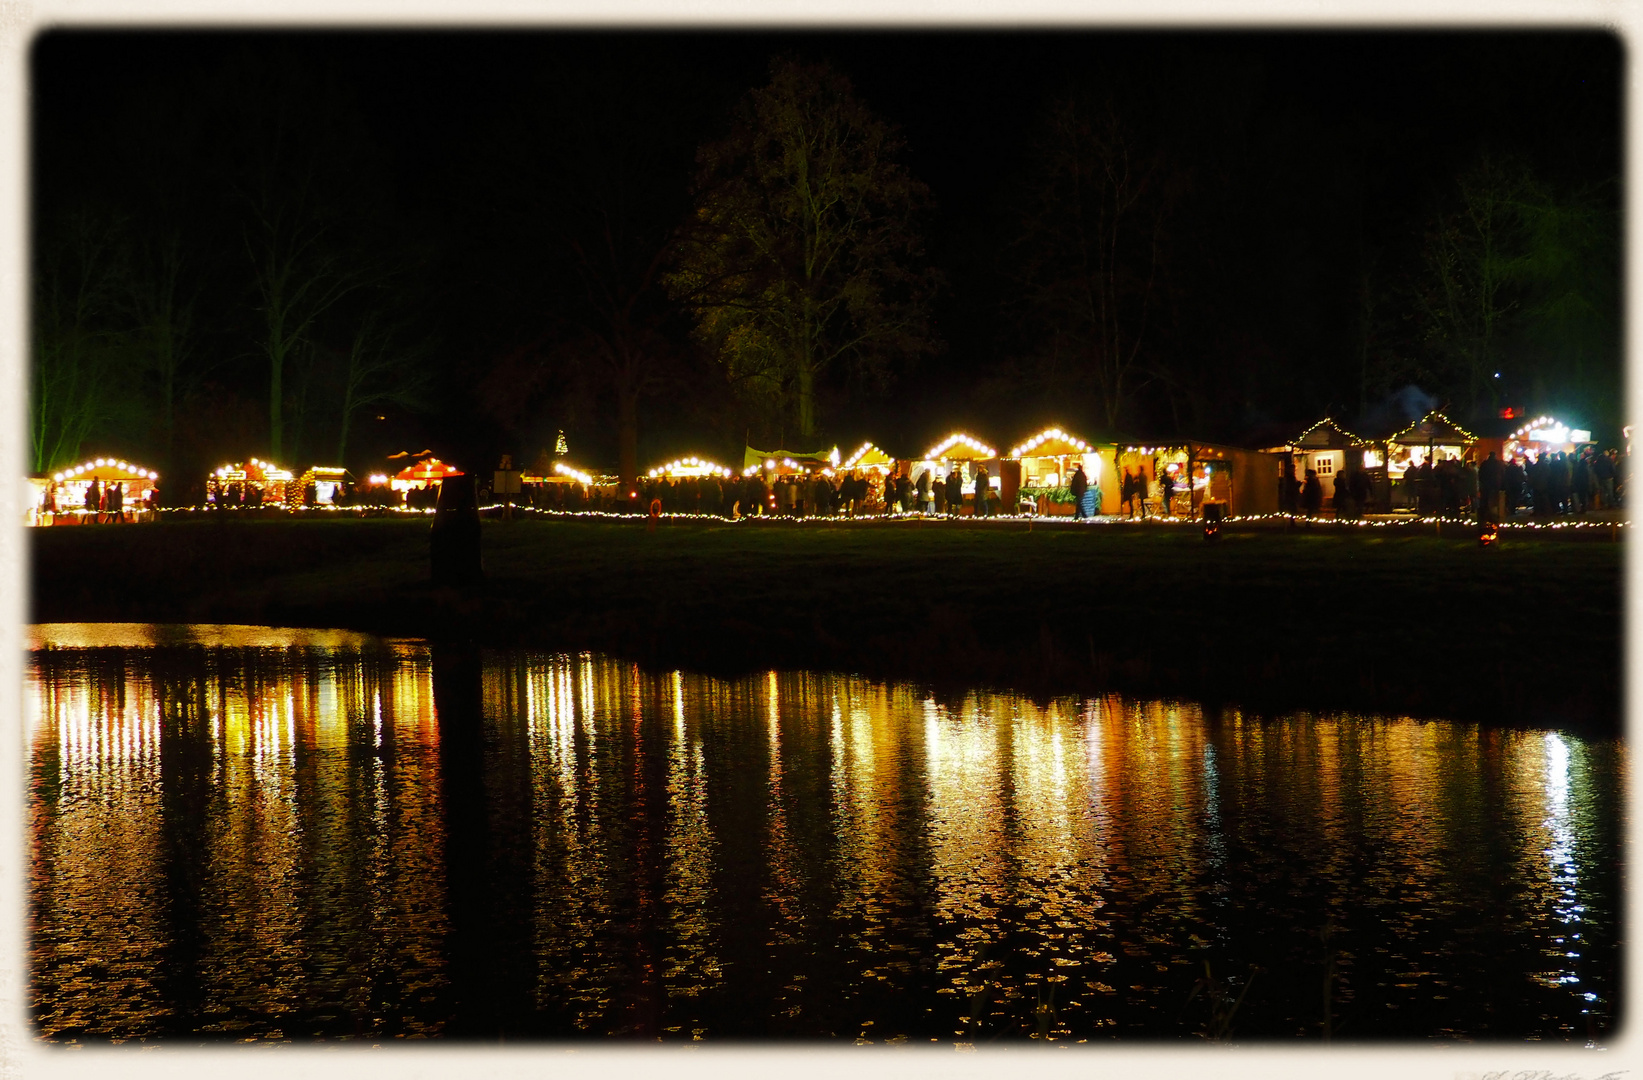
[[115, 490], [1180, 476], [1036, 476]]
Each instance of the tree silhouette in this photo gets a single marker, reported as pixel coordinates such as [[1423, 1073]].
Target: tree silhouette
[[1521, 279], [802, 254], [1089, 257], [80, 341]]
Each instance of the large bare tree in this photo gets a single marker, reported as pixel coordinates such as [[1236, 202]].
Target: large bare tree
[[803, 255]]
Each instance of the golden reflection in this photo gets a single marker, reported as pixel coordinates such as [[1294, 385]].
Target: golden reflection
[[691, 966], [679, 835], [273, 837]]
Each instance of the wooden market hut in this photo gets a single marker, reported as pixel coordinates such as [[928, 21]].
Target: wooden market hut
[[61, 500], [967, 454], [1512, 436], [868, 457], [1434, 437], [1328, 449], [252, 483], [1047, 460], [424, 474], [1237, 478], [689, 466], [876, 468], [774, 463], [328, 482]]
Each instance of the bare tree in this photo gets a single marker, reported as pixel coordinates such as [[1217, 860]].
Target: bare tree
[[1090, 255], [80, 343], [299, 275], [802, 254], [378, 369], [1472, 263], [162, 309]]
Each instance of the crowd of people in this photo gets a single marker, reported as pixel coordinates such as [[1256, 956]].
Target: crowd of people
[[1547, 485], [106, 502], [788, 495]]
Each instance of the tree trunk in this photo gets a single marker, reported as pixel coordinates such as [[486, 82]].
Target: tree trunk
[[276, 395], [342, 435], [807, 384], [627, 436]]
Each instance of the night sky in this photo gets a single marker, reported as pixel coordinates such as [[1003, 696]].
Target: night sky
[[1307, 161]]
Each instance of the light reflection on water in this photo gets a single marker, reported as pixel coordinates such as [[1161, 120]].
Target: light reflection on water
[[248, 833]]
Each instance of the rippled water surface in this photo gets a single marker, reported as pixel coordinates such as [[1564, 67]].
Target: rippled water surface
[[249, 833]]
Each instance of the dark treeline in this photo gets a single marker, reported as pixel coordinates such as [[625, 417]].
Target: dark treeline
[[324, 247]]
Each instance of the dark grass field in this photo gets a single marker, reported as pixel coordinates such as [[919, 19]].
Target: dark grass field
[[1269, 618]]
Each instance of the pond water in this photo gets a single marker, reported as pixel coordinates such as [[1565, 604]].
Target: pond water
[[243, 833]]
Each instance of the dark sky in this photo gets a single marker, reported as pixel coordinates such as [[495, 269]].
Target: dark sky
[[1306, 150]]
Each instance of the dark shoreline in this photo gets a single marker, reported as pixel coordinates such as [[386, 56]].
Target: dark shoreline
[[1267, 619]]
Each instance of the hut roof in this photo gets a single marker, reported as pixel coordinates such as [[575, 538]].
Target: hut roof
[[753, 458], [428, 469], [105, 469], [960, 447], [1434, 427], [868, 454], [1051, 442]]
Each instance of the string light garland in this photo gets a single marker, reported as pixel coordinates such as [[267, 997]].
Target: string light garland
[[689, 466], [1045, 436], [866, 448], [565, 470], [991, 522], [1467, 435], [105, 463], [1354, 439], [960, 439]]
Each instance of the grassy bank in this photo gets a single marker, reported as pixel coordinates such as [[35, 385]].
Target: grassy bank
[[1374, 620]]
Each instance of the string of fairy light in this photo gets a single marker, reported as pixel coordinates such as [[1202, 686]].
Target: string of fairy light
[[958, 438], [105, 463], [995, 521]]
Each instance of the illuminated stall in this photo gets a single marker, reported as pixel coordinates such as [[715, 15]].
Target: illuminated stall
[[1434, 439], [1048, 460], [118, 491], [966, 455], [873, 465], [252, 483], [559, 485], [328, 483], [775, 463], [869, 458], [39, 492], [1518, 438], [418, 483], [687, 485], [1235, 478], [689, 467], [1330, 451], [424, 474]]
